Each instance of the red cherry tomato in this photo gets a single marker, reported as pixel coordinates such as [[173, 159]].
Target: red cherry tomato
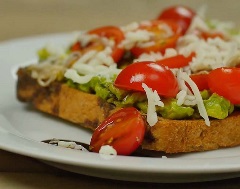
[[180, 14], [114, 33], [161, 39], [209, 34], [155, 76], [201, 80], [111, 32], [76, 46], [225, 82], [124, 131], [206, 35], [177, 61]]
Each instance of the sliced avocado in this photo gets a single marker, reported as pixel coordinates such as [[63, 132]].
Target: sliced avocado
[[218, 107], [205, 94], [43, 54], [172, 110]]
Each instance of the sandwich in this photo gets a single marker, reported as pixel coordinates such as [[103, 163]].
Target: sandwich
[[170, 84]]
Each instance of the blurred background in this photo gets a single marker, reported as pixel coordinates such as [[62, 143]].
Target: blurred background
[[21, 18]]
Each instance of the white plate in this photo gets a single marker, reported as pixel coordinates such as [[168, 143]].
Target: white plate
[[21, 129]]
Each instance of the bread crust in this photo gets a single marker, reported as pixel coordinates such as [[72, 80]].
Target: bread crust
[[88, 110]]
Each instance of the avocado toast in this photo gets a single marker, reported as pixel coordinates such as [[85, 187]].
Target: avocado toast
[[153, 66]]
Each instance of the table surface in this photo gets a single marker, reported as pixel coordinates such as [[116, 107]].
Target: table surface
[[21, 18]]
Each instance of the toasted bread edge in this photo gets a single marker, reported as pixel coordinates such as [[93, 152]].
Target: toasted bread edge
[[88, 110]]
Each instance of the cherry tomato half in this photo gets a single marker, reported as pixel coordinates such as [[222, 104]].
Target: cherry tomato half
[[225, 82], [76, 46], [201, 80], [124, 131], [114, 33], [209, 34], [206, 35], [110, 32], [161, 39], [177, 61], [180, 14], [155, 76]]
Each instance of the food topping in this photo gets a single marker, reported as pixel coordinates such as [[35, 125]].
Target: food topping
[[107, 150], [123, 131], [153, 101], [180, 14], [225, 82], [161, 67], [197, 98], [158, 35], [178, 66], [218, 107], [155, 76], [67, 144]]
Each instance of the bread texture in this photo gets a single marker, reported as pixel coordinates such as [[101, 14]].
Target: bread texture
[[88, 110]]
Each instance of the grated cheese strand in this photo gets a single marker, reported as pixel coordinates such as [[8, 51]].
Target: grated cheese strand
[[153, 101], [107, 150], [75, 77], [196, 92]]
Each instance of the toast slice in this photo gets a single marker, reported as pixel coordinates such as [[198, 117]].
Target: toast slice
[[88, 110]]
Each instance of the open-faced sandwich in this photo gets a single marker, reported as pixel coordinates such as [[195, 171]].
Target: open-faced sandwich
[[171, 84]]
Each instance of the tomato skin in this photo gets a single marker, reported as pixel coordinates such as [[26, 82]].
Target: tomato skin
[[201, 80], [124, 130], [177, 61], [155, 76], [225, 82], [116, 34], [110, 32], [206, 35], [76, 46], [180, 14], [161, 43]]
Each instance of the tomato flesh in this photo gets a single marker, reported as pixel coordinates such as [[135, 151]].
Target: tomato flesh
[[124, 130], [177, 61], [201, 80], [182, 15], [161, 42], [110, 32], [225, 82], [155, 76], [114, 33], [206, 35]]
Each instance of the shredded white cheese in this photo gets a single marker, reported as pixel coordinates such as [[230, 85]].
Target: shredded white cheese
[[197, 99], [94, 57], [56, 51], [107, 150], [209, 54], [168, 30], [86, 72], [197, 24], [75, 77], [152, 56], [68, 144], [137, 37], [45, 73], [130, 27], [155, 56], [85, 38], [153, 101], [213, 52]]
